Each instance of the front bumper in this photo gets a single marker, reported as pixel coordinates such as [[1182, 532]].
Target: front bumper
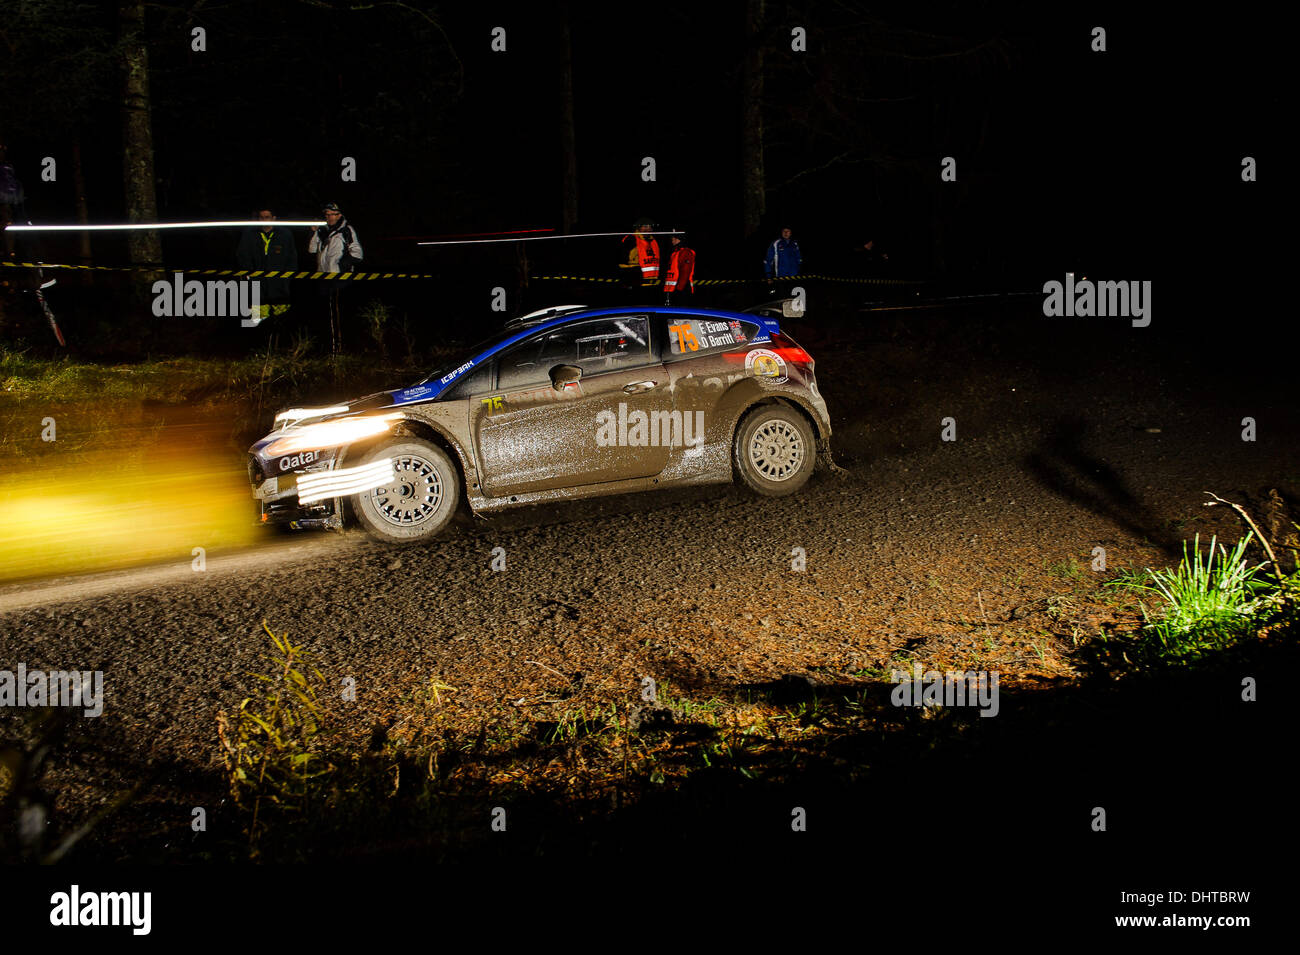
[[277, 496], [322, 516]]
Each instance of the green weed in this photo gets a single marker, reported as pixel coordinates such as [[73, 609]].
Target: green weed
[[1207, 602], [268, 748]]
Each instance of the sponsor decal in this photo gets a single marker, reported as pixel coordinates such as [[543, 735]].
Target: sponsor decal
[[290, 462], [268, 488], [412, 393], [768, 365], [452, 374]]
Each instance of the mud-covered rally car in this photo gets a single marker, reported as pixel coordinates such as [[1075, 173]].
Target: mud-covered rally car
[[566, 403]]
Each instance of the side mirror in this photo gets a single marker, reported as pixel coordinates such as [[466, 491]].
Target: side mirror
[[563, 375], [790, 309]]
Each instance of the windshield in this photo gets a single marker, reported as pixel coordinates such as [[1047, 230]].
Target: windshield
[[462, 355]]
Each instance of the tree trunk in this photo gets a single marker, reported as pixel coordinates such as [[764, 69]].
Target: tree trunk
[[938, 224], [137, 136], [83, 211], [753, 178], [568, 146]]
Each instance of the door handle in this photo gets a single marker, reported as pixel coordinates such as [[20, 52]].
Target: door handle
[[638, 386]]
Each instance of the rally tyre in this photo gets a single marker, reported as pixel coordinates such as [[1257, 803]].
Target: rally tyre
[[775, 450], [422, 498]]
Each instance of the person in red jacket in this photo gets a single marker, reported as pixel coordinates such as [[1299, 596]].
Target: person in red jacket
[[681, 268], [645, 254]]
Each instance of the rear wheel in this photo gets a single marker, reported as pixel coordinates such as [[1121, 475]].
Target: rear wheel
[[774, 450], [420, 500]]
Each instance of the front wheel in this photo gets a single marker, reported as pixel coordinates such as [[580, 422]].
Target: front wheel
[[775, 450], [420, 500]]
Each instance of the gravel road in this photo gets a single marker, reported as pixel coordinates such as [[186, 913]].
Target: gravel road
[[945, 548]]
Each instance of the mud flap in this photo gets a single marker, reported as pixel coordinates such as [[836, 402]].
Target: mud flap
[[825, 462]]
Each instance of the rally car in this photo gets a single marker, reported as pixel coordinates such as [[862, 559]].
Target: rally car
[[567, 403]]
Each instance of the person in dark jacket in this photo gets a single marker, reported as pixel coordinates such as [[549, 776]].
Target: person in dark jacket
[[272, 249]]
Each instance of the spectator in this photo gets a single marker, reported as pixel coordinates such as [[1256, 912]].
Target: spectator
[[783, 259], [871, 255], [337, 249], [11, 196], [335, 244], [681, 268], [269, 249], [644, 253]]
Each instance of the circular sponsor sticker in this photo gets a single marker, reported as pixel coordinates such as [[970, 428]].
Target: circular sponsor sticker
[[767, 365]]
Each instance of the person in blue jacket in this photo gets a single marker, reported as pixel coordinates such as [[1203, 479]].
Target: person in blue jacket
[[782, 259]]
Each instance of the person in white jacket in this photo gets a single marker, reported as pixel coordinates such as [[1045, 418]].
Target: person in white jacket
[[337, 249], [335, 244]]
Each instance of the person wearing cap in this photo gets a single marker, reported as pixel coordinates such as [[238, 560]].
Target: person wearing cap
[[337, 249], [645, 254], [335, 244], [681, 268]]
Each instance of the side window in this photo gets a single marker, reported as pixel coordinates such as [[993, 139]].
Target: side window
[[523, 364], [612, 344], [607, 344], [688, 337]]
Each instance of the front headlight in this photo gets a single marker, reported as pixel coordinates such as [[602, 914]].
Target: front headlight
[[330, 434], [289, 416]]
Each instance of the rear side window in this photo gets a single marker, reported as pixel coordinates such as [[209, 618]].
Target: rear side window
[[688, 337]]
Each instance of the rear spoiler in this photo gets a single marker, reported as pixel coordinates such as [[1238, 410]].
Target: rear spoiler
[[780, 308]]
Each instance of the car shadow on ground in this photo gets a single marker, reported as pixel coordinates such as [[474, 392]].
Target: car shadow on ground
[[1064, 465]]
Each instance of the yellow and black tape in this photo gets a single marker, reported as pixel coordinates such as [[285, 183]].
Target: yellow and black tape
[[237, 273], [371, 276]]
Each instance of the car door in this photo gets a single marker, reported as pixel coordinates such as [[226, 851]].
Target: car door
[[531, 436]]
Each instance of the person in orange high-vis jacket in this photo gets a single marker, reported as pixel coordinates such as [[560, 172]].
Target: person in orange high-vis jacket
[[681, 269], [645, 255]]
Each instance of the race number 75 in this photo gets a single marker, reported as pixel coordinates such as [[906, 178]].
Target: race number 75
[[685, 337]]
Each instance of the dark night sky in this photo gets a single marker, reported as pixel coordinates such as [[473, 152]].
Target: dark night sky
[[1125, 162]]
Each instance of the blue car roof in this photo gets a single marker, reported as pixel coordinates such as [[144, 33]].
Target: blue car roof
[[431, 390]]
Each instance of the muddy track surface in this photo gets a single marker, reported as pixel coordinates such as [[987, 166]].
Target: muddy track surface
[[950, 552]]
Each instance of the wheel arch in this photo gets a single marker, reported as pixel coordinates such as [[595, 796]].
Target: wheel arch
[[412, 428], [789, 401]]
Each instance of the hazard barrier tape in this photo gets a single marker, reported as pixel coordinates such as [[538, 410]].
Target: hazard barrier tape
[[241, 273], [371, 276], [787, 278]]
